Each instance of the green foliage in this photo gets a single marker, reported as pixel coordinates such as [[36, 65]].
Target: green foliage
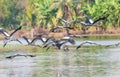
[[102, 8], [9, 13], [46, 12]]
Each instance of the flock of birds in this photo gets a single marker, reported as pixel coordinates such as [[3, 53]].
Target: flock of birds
[[52, 41], [47, 42]]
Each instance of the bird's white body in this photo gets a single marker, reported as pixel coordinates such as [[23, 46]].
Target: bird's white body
[[91, 21], [6, 34], [44, 39]]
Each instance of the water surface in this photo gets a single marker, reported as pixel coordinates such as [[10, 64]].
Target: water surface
[[88, 61], [100, 63]]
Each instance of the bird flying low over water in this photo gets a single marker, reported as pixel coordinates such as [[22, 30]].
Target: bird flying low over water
[[116, 44], [30, 42], [44, 40], [16, 55], [56, 43], [59, 42], [11, 36], [87, 42], [68, 39]]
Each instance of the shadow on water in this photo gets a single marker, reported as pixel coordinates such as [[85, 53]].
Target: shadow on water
[[86, 62]]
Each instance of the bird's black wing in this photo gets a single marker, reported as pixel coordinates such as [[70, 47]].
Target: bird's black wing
[[18, 41], [46, 45], [25, 38], [39, 37], [68, 39], [66, 22], [48, 39], [82, 44], [102, 18], [63, 20], [63, 43], [15, 30], [60, 44], [89, 42], [34, 40], [79, 46], [56, 27], [71, 41], [68, 27]]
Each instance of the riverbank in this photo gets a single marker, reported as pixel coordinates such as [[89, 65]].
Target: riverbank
[[91, 32]]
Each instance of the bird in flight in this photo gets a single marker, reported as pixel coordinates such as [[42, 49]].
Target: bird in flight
[[87, 42], [90, 22], [10, 37], [30, 42], [43, 39], [59, 42], [16, 55], [67, 24]]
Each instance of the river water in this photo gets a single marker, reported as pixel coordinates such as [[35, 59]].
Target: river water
[[88, 61]]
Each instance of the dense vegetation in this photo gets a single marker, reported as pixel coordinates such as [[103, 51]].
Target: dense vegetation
[[45, 13]]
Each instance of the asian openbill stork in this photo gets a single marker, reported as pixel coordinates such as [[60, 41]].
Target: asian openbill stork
[[90, 22], [43, 39], [59, 42], [38, 37], [59, 27], [67, 24], [87, 42], [11, 36], [16, 55], [30, 42]]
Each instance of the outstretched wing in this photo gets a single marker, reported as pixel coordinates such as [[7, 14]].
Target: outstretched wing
[[102, 18], [15, 31], [18, 41], [39, 37], [68, 39], [26, 39], [79, 46], [89, 42], [34, 40], [49, 39], [46, 45], [63, 20], [60, 44], [56, 27], [66, 22]]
